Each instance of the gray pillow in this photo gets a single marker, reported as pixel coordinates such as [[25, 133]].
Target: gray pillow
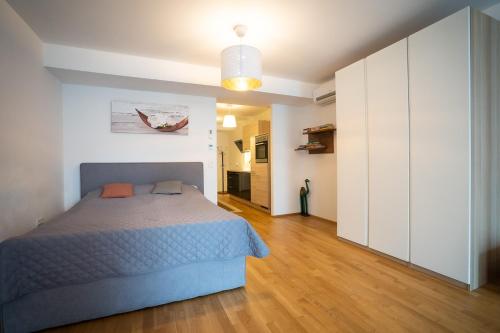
[[168, 187]]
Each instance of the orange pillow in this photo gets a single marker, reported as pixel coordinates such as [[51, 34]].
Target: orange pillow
[[117, 190]]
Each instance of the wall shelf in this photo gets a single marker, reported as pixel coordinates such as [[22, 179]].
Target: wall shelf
[[320, 139], [315, 147], [321, 130]]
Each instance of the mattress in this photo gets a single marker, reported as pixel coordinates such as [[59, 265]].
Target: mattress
[[109, 238]]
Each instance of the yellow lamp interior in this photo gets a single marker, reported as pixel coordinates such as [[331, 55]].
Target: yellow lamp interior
[[241, 83]]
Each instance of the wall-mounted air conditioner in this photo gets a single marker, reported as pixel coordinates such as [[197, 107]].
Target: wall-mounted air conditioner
[[325, 93]]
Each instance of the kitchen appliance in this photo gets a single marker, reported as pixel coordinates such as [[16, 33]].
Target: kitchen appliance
[[261, 148], [325, 94], [239, 144]]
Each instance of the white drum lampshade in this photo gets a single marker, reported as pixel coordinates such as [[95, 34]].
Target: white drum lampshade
[[229, 121], [241, 65]]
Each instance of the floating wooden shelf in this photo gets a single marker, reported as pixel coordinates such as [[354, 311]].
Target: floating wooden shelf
[[323, 135]]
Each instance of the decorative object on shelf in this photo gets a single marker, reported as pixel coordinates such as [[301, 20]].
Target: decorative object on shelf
[[310, 147], [304, 211], [319, 129], [241, 65], [320, 139], [130, 117]]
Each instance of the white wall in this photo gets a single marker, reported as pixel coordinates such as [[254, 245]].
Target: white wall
[[30, 130], [88, 138], [289, 168], [233, 156]]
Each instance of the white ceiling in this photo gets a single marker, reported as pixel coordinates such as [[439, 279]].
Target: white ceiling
[[306, 40]]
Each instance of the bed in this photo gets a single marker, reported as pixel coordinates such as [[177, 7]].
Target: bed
[[108, 256]]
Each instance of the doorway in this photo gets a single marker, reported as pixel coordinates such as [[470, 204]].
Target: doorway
[[243, 156]]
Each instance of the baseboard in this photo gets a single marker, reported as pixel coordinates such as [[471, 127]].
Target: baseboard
[[364, 247], [439, 276], [285, 215], [426, 271], [323, 219], [314, 216]]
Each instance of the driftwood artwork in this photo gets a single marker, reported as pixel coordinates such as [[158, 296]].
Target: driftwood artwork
[[131, 117]]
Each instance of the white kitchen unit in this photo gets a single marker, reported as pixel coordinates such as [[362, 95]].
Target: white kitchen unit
[[352, 154], [428, 145], [388, 150]]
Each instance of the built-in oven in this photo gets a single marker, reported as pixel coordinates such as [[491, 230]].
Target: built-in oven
[[261, 148]]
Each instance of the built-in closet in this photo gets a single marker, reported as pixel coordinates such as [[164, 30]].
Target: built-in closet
[[413, 180], [352, 159]]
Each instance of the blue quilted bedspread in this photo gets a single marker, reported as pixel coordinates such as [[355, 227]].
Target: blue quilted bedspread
[[105, 238]]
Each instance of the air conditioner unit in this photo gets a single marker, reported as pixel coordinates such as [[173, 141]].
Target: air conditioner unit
[[325, 93]]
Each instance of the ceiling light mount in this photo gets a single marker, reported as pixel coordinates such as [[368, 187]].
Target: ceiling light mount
[[240, 30]]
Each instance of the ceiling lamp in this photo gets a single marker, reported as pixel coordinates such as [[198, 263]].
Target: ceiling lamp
[[229, 121], [241, 65]]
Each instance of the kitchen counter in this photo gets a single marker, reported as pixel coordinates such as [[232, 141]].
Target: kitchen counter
[[238, 184]]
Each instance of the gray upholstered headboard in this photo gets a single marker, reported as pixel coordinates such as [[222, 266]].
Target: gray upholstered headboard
[[95, 175]]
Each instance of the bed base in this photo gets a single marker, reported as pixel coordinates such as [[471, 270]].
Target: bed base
[[71, 304]]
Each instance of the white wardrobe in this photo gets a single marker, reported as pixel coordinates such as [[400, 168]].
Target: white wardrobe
[[388, 149], [352, 154], [405, 148]]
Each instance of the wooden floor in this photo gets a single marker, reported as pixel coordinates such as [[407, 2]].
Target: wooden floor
[[313, 282]]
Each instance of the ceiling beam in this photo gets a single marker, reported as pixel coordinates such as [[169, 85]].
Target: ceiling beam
[[78, 65]]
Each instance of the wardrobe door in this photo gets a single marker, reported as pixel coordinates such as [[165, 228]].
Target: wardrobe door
[[388, 150], [439, 146], [352, 164]]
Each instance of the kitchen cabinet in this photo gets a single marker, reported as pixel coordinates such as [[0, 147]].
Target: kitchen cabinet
[[238, 184], [255, 128], [260, 185], [260, 180]]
